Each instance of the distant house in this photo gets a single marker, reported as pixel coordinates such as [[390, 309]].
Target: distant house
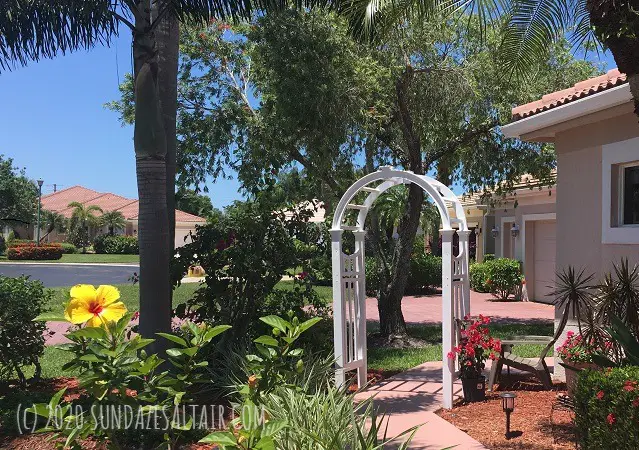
[[59, 202]]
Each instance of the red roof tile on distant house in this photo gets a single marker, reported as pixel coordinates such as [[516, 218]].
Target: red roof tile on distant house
[[580, 90], [59, 202]]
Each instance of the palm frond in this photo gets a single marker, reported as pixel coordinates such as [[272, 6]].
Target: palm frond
[[573, 295], [35, 29], [532, 27]]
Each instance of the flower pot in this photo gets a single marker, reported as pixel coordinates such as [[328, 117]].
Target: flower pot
[[571, 375], [474, 389]]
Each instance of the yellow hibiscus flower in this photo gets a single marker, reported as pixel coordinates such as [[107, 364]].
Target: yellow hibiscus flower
[[94, 306]]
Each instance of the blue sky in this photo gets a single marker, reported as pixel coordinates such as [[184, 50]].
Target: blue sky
[[53, 123]]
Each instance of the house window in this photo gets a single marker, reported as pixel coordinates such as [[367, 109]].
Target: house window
[[629, 194]]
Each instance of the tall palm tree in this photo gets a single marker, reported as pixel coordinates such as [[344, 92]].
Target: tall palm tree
[[32, 29], [113, 220], [82, 218], [533, 25], [53, 221]]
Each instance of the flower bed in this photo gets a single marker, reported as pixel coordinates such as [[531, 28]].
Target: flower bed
[[33, 253]]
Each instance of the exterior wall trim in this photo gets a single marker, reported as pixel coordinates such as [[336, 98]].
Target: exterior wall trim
[[612, 154], [503, 233]]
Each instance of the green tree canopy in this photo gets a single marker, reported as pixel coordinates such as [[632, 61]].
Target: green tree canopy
[[18, 194], [192, 202]]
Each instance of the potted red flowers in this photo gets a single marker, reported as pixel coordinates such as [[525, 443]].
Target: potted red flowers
[[577, 352], [475, 348]]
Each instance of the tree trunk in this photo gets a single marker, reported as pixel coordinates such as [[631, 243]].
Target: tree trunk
[[150, 154], [168, 42], [389, 302]]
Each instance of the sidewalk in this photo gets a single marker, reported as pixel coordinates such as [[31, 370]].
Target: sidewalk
[[411, 398]]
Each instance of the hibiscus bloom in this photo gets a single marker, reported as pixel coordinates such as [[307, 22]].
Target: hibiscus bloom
[[611, 419], [94, 306], [600, 395]]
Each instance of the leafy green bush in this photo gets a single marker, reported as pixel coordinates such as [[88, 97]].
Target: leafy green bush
[[116, 245], [504, 277], [3, 245], [68, 248], [489, 257], [425, 272], [21, 339], [478, 277], [33, 253], [373, 277], [607, 409]]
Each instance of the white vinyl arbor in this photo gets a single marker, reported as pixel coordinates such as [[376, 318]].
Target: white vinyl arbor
[[349, 277]]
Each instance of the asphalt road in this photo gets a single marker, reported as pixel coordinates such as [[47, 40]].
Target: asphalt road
[[56, 274]]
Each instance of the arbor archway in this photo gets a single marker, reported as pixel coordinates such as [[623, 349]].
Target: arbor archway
[[349, 274]]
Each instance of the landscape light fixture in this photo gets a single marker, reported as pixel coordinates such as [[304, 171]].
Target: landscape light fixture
[[495, 231], [508, 405], [514, 231]]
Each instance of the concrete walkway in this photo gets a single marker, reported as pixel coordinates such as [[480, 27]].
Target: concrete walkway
[[411, 398]]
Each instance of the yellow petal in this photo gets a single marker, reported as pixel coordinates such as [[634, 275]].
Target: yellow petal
[[77, 311], [95, 321], [107, 294], [113, 312], [85, 292]]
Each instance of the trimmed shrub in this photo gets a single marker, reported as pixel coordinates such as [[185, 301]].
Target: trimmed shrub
[[607, 409], [33, 253], [21, 339], [478, 277], [504, 276], [425, 272], [116, 245], [489, 257], [24, 243], [68, 248]]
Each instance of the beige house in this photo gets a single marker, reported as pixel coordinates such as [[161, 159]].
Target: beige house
[[522, 226], [59, 202]]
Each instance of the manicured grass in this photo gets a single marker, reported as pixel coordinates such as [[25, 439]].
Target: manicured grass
[[391, 359], [325, 292], [87, 258], [129, 294]]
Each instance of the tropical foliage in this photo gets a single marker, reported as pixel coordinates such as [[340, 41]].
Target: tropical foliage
[[53, 221], [113, 220], [83, 217], [18, 195]]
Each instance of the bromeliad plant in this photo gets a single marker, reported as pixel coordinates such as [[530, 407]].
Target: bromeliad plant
[[116, 371], [476, 346]]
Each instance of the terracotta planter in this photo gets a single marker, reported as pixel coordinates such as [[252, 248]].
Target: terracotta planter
[[474, 389], [572, 375]]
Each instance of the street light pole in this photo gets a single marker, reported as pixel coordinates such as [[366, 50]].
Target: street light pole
[[40, 183]]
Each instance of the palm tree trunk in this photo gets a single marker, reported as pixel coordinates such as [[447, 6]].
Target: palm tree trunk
[[168, 41], [150, 155]]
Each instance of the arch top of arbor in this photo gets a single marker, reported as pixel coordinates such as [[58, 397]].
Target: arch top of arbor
[[385, 178]]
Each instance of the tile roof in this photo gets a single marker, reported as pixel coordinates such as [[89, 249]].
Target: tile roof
[[59, 202], [580, 90]]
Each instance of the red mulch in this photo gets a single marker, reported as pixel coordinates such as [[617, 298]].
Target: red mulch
[[530, 423]]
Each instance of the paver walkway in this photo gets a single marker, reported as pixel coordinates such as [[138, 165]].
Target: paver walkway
[[428, 309]]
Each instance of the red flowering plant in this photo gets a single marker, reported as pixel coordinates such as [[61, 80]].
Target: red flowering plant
[[476, 346], [578, 349]]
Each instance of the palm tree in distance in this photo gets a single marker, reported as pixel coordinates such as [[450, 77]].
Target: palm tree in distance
[[53, 221], [533, 26], [82, 218], [113, 220]]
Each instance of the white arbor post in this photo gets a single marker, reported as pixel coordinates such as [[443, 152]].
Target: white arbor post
[[360, 316], [448, 331], [464, 254], [339, 329]]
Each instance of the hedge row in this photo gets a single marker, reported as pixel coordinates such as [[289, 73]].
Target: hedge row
[[501, 277], [425, 273], [607, 409], [116, 245], [33, 253]]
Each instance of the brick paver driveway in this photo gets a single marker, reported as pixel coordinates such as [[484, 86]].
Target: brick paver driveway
[[428, 309]]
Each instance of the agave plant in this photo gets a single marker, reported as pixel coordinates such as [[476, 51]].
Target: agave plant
[[574, 296]]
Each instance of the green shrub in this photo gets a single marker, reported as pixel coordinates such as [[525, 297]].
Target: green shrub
[[21, 339], [68, 248], [607, 409], [33, 253], [489, 257], [504, 276], [478, 277], [116, 245], [3, 245], [373, 276], [425, 272]]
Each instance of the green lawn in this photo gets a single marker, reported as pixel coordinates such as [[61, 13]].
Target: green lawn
[[88, 258], [391, 359]]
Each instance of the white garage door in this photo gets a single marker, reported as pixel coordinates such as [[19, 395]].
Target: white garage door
[[544, 255]]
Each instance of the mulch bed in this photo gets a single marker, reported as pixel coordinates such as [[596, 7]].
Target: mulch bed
[[530, 424]]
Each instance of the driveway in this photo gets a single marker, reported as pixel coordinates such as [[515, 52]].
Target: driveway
[[59, 274]]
